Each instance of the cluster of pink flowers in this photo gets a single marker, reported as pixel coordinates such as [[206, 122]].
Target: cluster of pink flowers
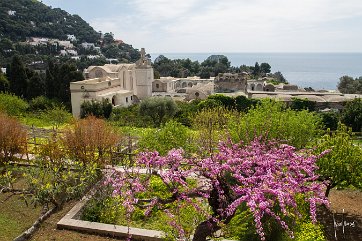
[[262, 175]]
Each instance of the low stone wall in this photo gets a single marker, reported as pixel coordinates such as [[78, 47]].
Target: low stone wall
[[71, 221]]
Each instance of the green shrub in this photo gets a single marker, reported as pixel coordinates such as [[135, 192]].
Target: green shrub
[[158, 109], [12, 104], [95, 108], [271, 120], [171, 135], [42, 103]]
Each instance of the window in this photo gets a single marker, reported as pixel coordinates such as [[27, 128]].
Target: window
[[157, 86], [126, 99], [131, 97]]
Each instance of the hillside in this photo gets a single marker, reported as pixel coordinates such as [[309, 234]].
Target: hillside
[[28, 18]]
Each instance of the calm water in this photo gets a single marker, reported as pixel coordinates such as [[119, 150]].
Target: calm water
[[317, 70]]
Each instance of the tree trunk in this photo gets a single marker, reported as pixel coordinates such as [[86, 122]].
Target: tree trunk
[[204, 230], [27, 234]]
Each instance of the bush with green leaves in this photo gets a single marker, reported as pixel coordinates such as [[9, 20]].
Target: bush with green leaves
[[95, 108], [12, 104], [330, 120], [41, 103], [158, 109], [352, 115], [169, 136], [342, 166], [302, 104], [272, 120]]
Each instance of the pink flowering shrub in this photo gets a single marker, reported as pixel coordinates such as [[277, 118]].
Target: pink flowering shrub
[[264, 176]]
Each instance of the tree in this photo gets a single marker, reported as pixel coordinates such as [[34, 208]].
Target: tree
[[341, 166], [348, 85], [90, 140], [278, 76], [352, 114], [4, 82], [17, 77], [13, 140], [12, 105], [256, 70], [159, 109], [302, 104], [51, 83], [36, 86], [273, 121], [265, 68], [95, 108], [265, 177]]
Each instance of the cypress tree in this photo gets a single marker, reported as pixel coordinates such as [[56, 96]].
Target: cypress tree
[[17, 77], [36, 86]]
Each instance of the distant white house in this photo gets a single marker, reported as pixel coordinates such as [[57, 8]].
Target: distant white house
[[65, 44], [71, 37], [72, 52], [88, 45], [3, 70], [11, 13]]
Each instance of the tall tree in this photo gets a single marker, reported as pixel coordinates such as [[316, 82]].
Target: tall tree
[[67, 73], [36, 86], [256, 69], [265, 68], [50, 80], [4, 82], [17, 77]]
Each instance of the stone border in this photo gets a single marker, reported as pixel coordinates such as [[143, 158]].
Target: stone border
[[70, 222]]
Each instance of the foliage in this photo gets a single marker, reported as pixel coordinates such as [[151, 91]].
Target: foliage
[[302, 104], [261, 175], [33, 18], [12, 105], [169, 136], [210, 124], [13, 140], [57, 116], [158, 109], [185, 111], [41, 103], [352, 114], [330, 120], [4, 83], [129, 116], [36, 87], [226, 101], [17, 77], [348, 85], [271, 120], [342, 166], [90, 140], [243, 103], [57, 180], [96, 108], [278, 78]]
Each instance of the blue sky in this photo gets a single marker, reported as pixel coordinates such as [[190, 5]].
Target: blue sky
[[188, 26]]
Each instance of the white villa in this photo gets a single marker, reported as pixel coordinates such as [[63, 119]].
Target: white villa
[[120, 84]]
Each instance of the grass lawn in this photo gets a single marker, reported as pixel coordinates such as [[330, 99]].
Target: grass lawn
[[15, 216]]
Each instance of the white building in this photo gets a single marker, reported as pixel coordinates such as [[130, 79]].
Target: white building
[[120, 84], [71, 37], [88, 45]]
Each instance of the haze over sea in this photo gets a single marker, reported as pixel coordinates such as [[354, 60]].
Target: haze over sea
[[316, 70]]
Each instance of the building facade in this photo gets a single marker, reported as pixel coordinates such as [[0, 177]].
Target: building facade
[[120, 84]]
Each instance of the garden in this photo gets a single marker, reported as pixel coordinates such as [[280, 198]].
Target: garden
[[224, 168]]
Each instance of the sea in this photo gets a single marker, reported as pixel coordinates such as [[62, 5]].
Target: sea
[[321, 71]]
